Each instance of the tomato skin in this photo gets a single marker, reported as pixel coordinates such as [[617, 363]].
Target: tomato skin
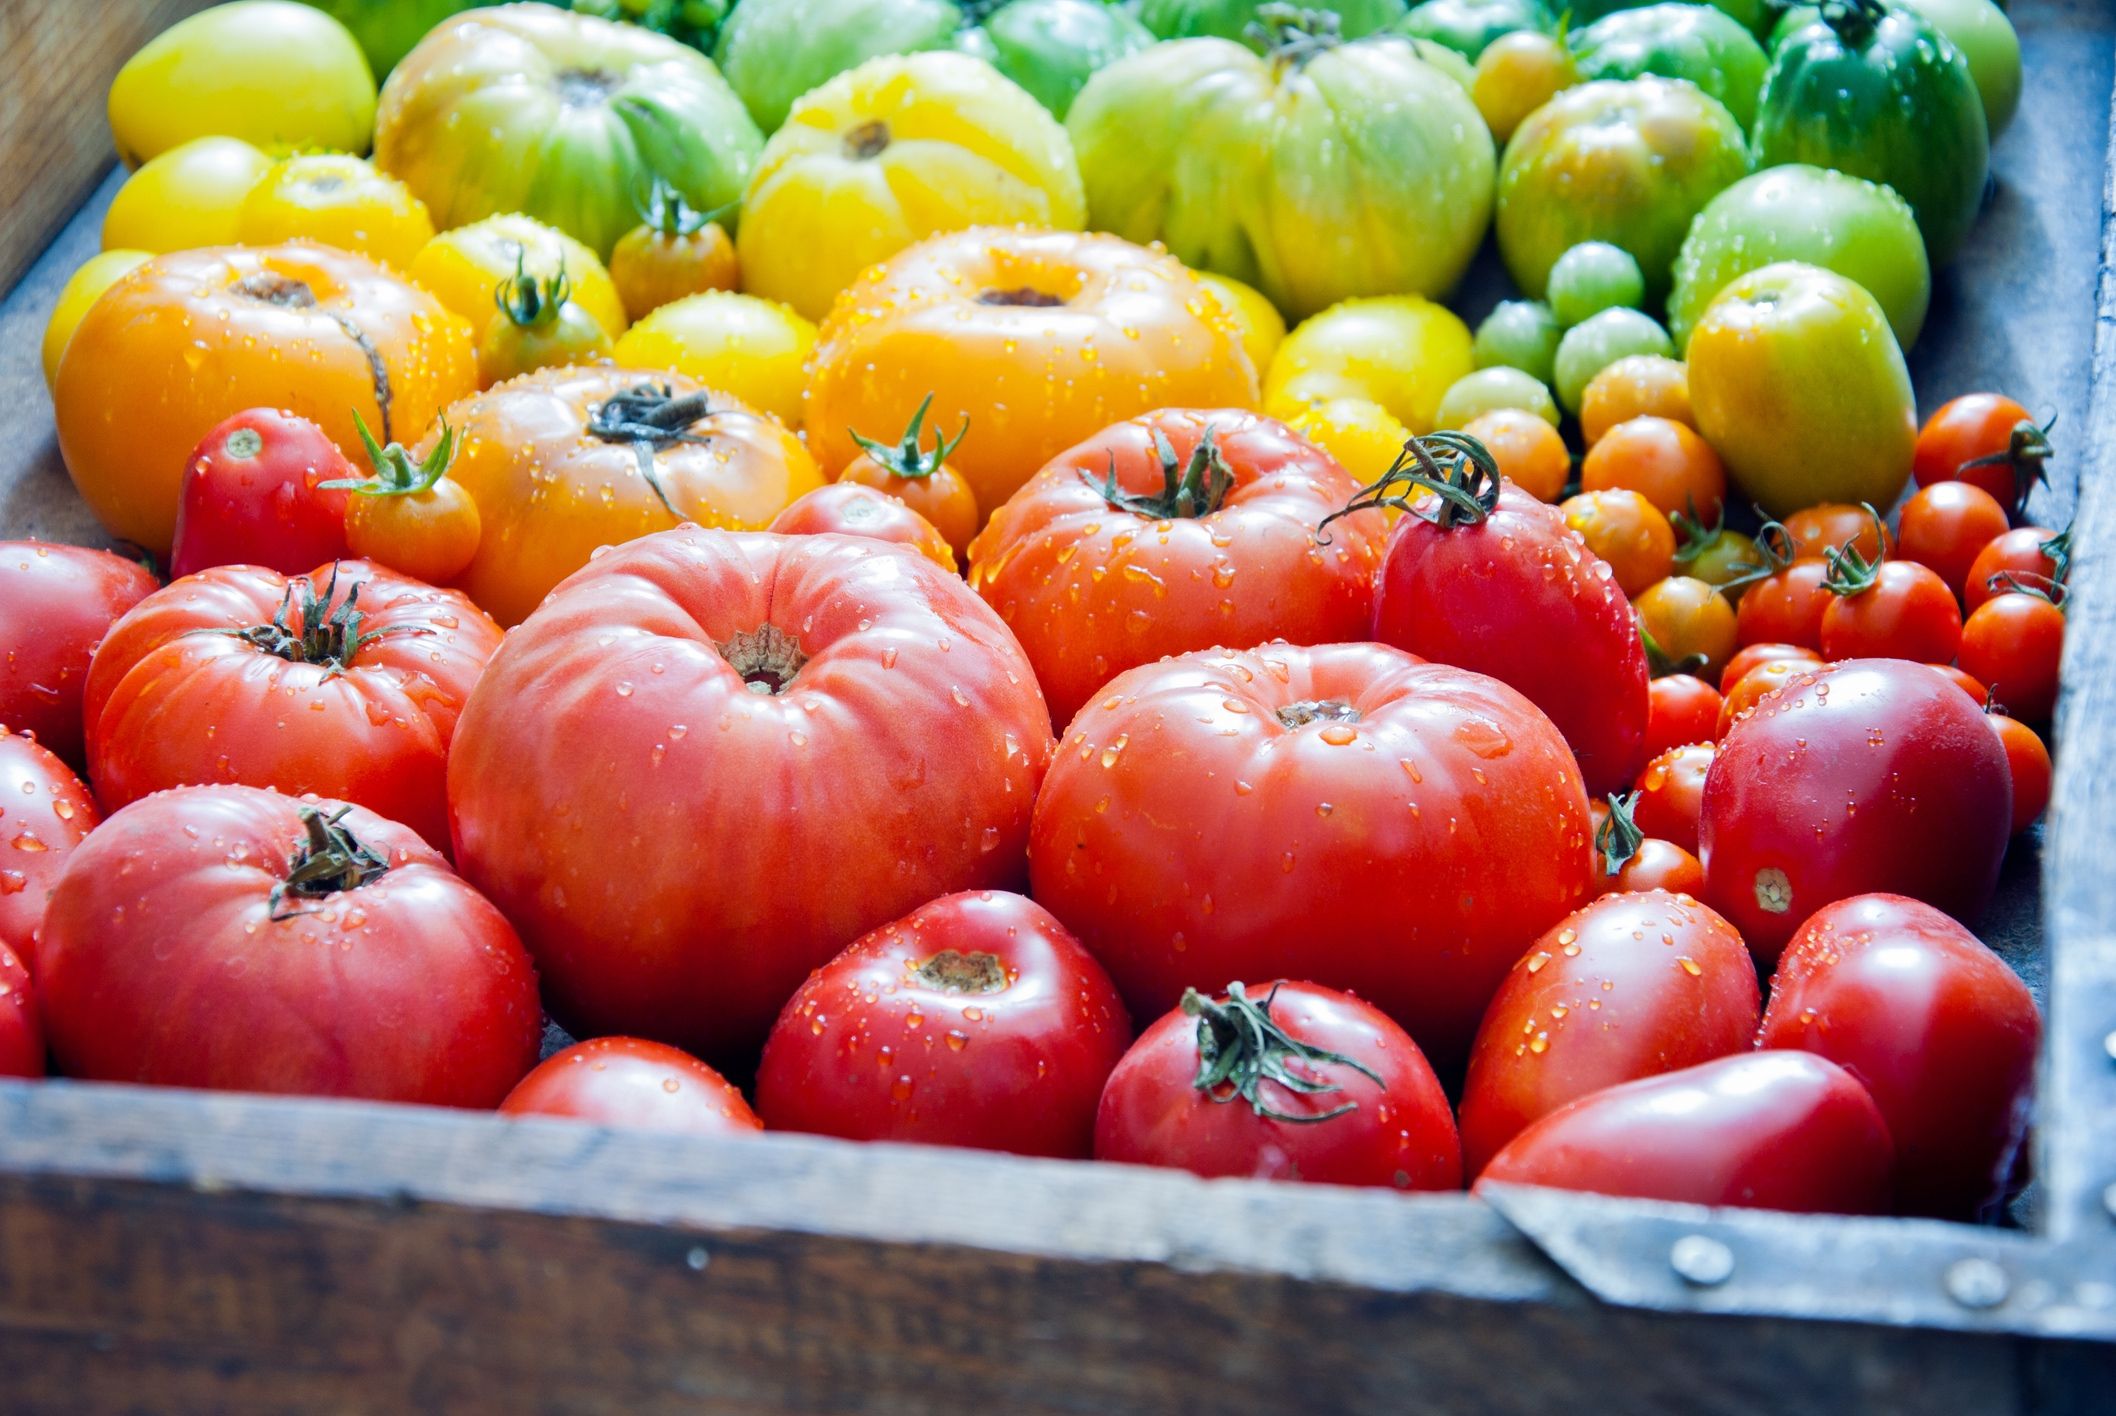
[[1762, 1130], [21, 1029], [1473, 595], [173, 698], [1966, 682], [1945, 527], [1662, 460], [1093, 587], [335, 200], [653, 267], [635, 1084], [2014, 644], [1964, 430], [1531, 454], [1873, 774], [1655, 865], [1835, 526], [1465, 849], [1681, 708], [2028, 763], [1637, 386], [1786, 607], [56, 604], [2018, 552], [1907, 613], [1626, 987], [941, 496], [1627, 531], [408, 987], [46, 814], [1935, 1025], [431, 535], [94, 275], [1671, 794], [909, 711], [1002, 1029], [851, 509], [253, 496], [755, 349], [1402, 1136], [1751, 657]]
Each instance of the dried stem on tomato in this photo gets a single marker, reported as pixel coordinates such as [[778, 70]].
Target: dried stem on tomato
[[328, 860], [1240, 1048]]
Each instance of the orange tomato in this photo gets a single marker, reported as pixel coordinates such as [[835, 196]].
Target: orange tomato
[[2029, 763], [180, 342], [1689, 618], [1765, 678], [1626, 530], [1663, 461], [852, 509], [1816, 529], [1636, 386], [1529, 451], [674, 252], [1039, 339], [920, 478]]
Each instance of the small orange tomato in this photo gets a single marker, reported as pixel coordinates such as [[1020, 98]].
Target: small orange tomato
[[1663, 461], [1627, 860], [920, 478], [1530, 453], [407, 516], [1946, 526], [1833, 525], [1671, 794], [1690, 623], [2029, 762], [2031, 555], [1964, 680], [1786, 607], [851, 509], [1626, 530], [1755, 685], [1636, 386], [1755, 656], [675, 251]]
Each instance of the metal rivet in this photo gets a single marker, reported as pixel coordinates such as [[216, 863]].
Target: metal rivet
[[2108, 1045], [696, 1259], [1701, 1260], [1977, 1283], [2108, 1199]]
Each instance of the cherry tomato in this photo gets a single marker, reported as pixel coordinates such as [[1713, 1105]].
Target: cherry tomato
[[1984, 439], [1627, 531], [920, 478], [541, 326], [1671, 794], [1946, 526], [1281, 1081], [1758, 683], [976, 1020], [410, 516], [1681, 708], [851, 509], [56, 604], [2032, 556], [1755, 656], [1664, 461], [1786, 607], [1689, 622], [44, 813], [1904, 611], [21, 1029], [1625, 861], [1710, 552], [263, 488], [1531, 454], [2014, 644], [1834, 526], [1635, 386], [1935, 1026], [635, 1084], [2028, 762], [1966, 682], [675, 251]]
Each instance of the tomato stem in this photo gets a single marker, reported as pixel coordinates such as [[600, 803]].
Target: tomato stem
[[532, 302], [329, 633], [650, 417], [397, 472], [1240, 1048], [1466, 483], [1188, 490], [662, 208], [327, 860], [1850, 572], [1659, 665], [907, 460], [1618, 837], [1294, 34], [2028, 451]]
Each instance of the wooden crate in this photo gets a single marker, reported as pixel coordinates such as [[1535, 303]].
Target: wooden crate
[[175, 1251]]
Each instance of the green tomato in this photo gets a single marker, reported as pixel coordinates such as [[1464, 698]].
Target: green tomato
[[1363, 170], [1050, 47], [1877, 92], [1859, 229], [1696, 42], [1599, 341], [1520, 334], [1488, 391], [1469, 26], [1628, 162], [1230, 19], [1801, 389], [773, 51], [387, 29], [1591, 277], [1986, 38], [1755, 16]]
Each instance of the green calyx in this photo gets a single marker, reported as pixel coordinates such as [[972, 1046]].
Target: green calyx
[[2028, 452], [1774, 544], [1457, 469], [328, 860], [1693, 537], [1294, 34], [329, 632], [1240, 1048], [1850, 572], [398, 472], [663, 209], [1618, 837], [533, 302], [908, 459], [1189, 490], [1659, 665]]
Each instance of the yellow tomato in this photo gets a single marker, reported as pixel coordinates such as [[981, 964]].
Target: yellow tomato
[[1400, 351], [1518, 73], [277, 74], [752, 348], [1363, 436], [462, 268], [337, 200], [1686, 616], [97, 274], [1256, 319], [881, 157], [190, 196]]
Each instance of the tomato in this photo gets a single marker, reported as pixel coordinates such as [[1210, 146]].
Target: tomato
[[1231, 19], [1592, 277], [2031, 555], [279, 75], [1530, 452], [1662, 460], [1175, 531], [1934, 1025], [1695, 42], [1491, 390], [2013, 644], [1253, 778], [1874, 774], [976, 1020], [1723, 559], [317, 949], [775, 51], [1401, 352], [1366, 439], [190, 196], [1518, 73], [2028, 763], [1052, 47], [262, 488], [1601, 340], [565, 461], [1282, 1081], [1627, 531], [56, 604], [1861, 230], [804, 682], [463, 267], [1757, 684], [675, 251], [82, 289], [1786, 606], [335, 200], [754, 349], [318, 333], [1754, 656], [1039, 339], [1985, 439], [540, 327], [1985, 37], [633, 1084], [1261, 327], [1897, 609], [46, 813], [921, 479], [1671, 793], [1681, 709], [1519, 334], [1967, 683], [1472, 26], [563, 117], [387, 29], [1762, 1130], [1815, 531], [1628, 986], [21, 1029], [1946, 526], [850, 509], [410, 516], [1626, 861]]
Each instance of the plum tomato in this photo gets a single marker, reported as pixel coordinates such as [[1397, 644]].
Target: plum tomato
[[21, 1028], [2014, 644], [263, 488], [2028, 762], [1681, 708], [56, 604], [1946, 526], [1671, 794], [634, 1084], [852, 509], [45, 814], [1987, 440], [2031, 555]]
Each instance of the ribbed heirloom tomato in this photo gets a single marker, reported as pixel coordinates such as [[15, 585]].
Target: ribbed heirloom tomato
[[711, 760]]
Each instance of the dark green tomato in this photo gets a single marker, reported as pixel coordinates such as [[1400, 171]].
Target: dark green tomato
[[1230, 19], [1879, 93], [1469, 26], [1978, 28], [1753, 15], [1695, 42], [387, 29], [1050, 47]]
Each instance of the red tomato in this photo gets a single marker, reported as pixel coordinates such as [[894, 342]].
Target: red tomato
[[1625, 861], [345, 682], [1175, 531], [21, 1030], [1984, 439], [1967, 683], [1207, 811], [312, 948], [1815, 531], [2014, 644], [1875, 774], [2028, 763], [1895, 610], [635, 1084], [1626, 987], [1281, 1081], [1755, 656], [1934, 1025], [2031, 555], [1763, 1130], [976, 1020], [787, 741], [1680, 708], [1766, 678], [1785, 607], [1946, 526], [855, 510], [44, 813], [253, 495], [1671, 794], [1492, 580], [56, 604]]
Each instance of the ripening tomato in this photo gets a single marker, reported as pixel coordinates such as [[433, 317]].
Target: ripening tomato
[[1281, 1081], [345, 682], [21, 1028], [2028, 763], [1255, 778], [316, 949], [44, 813], [1814, 531], [1518, 73], [1946, 526], [2031, 555], [1636, 386], [675, 251], [1722, 558], [1987, 440], [1874, 774], [1751, 657], [541, 326], [1897, 609], [262, 488], [1178, 530], [921, 478], [410, 516], [850, 509], [1261, 327], [1934, 1025], [755, 349], [633, 1084], [976, 1020], [1689, 622], [185, 198], [1365, 437], [1628, 986], [56, 604], [1757, 684], [1786, 607], [1531, 454], [1681, 709], [335, 199], [2014, 644], [462, 267], [724, 704], [1624, 860], [1662, 460], [1762, 1130], [1401, 351], [1626, 530], [1671, 794]]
